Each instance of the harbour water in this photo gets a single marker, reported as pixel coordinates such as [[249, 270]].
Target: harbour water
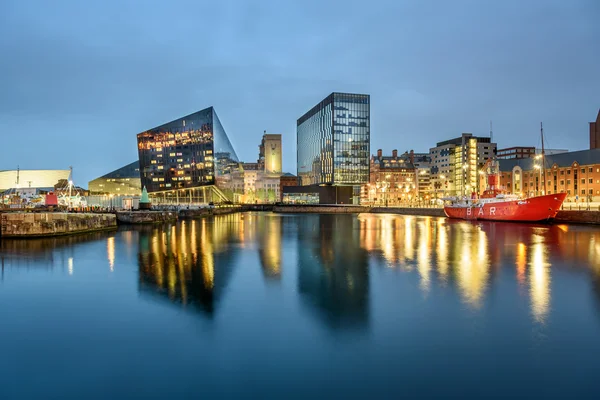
[[260, 305]]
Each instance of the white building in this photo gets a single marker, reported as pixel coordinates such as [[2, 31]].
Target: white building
[[456, 164]]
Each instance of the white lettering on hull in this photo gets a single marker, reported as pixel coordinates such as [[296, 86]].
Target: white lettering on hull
[[492, 210]]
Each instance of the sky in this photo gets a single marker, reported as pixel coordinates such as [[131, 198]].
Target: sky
[[79, 79]]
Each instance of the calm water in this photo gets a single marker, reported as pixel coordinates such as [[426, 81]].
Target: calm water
[[289, 306]]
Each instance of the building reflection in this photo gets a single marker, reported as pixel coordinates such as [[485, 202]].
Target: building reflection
[[190, 263], [333, 276], [469, 255], [54, 252], [270, 234]]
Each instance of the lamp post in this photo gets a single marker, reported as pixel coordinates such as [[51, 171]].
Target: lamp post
[[537, 188], [464, 183], [443, 177]]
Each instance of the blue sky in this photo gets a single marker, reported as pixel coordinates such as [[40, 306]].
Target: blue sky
[[79, 79]]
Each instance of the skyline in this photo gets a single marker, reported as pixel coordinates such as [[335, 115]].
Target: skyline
[[82, 88]]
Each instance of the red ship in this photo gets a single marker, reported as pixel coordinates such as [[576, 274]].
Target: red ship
[[496, 205]]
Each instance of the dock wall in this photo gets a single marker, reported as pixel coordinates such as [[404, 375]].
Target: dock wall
[[24, 225]]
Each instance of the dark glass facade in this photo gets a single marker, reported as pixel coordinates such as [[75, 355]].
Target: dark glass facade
[[334, 141], [189, 152]]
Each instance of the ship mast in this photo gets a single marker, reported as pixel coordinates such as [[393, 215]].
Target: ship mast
[[543, 157]]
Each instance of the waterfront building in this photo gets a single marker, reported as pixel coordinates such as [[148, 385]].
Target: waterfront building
[[269, 154], [333, 144], [392, 180], [595, 133], [525, 152], [257, 182], [286, 180], [124, 181], [456, 164], [32, 178], [186, 160], [515, 152], [577, 173]]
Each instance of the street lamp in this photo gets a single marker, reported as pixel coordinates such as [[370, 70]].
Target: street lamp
[[443, 177], [536, 166]]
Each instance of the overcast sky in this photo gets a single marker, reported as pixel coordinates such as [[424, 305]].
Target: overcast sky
[[79, 79]]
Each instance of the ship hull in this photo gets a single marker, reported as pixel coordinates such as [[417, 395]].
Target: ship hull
[[534, 209]]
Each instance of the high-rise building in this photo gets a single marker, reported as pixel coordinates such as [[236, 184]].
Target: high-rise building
[[185, 160], [595, 133], [333, 144], [123, 181], [456, 164], [269, 156]]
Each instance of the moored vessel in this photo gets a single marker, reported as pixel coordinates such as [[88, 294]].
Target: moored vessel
[[495, 204]]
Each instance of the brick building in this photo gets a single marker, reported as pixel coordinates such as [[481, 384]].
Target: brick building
[[392, 180], [577, 173]]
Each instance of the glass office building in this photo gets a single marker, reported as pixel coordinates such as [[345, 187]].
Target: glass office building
[[123, 181], [190, 152], [333, 141]]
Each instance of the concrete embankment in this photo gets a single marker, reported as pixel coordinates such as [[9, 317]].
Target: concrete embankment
[[26, 225], [146, 217], [578, 217]]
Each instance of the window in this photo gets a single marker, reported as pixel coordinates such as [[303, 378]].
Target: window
[[591, 180], [582, 191], [569, 191], [562, 172], [568, 181], [591, 169], [562, 182], [583, 170], [568, 172], [582, 180]]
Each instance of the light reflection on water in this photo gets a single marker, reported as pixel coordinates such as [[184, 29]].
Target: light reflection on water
[[374, 282]]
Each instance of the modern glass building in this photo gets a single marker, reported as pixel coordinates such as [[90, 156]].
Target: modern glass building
[[124, 181], [334, 141], [185, 154]]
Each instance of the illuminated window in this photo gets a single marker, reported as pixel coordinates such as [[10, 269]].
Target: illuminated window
[[161, 167], [171, 154]]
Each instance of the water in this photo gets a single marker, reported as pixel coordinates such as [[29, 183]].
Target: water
[[297, 306]]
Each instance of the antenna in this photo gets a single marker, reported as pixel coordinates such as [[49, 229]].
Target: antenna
[[491, 133], [543, 156]]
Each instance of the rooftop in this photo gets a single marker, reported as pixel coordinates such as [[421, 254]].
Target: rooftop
[[582, 157]]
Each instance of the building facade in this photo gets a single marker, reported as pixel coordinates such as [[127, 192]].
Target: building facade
[[124, 181], [393, 180], [269, 155], [595, 133], [515, 152], [285, 180], [26, 178], [186, 159], [333, 142], [576, 173], [456, 164]]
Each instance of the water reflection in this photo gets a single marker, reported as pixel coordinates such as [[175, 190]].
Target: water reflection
[[470, 255], [333, 274], [190, 263], [47, 252]]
